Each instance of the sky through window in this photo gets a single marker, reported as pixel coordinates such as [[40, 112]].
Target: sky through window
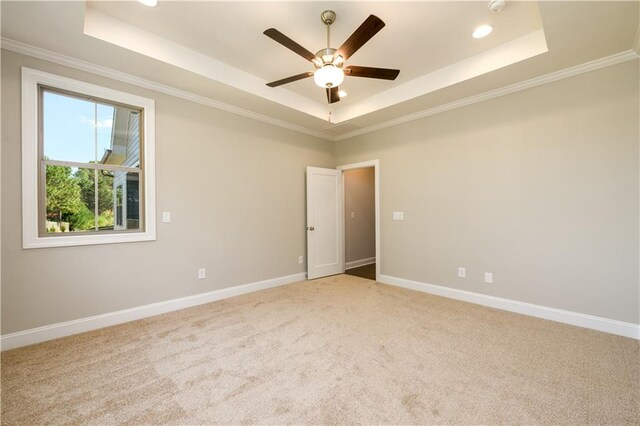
[[68, 128]]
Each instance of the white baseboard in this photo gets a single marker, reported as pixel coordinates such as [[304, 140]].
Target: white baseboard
[[67, 328], [361, 262], [606, 325]]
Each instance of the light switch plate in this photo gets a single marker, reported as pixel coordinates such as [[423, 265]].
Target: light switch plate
[[353, 215], [398, 215], [166, 217]]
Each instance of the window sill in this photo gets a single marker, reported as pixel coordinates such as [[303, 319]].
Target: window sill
[[85, 240]]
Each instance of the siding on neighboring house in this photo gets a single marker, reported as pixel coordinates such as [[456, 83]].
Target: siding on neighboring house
[[126, 186]]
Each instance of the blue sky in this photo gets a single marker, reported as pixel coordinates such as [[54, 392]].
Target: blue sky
[[69, 128]]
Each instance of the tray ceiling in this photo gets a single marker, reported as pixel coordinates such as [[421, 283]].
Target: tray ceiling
[[216, 50]]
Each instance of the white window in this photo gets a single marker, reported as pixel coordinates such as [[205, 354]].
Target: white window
[[87, 163]]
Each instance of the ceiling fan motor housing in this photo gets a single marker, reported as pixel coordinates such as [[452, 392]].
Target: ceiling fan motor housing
[[329, 62], [327, 56]]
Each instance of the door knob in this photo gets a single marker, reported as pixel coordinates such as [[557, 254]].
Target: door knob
[[310, 228]]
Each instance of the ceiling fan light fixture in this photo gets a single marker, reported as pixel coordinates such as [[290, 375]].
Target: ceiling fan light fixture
[[150, 3], [328, 76], [482, 31], [329, 62]]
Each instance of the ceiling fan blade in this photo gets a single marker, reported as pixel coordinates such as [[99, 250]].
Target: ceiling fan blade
[[290, 79], [368, 72], [332, 95], [288, 43], [363, 34]]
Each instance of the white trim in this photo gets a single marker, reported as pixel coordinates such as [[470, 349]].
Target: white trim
[[54, 57], [359, 263], [122, 34], [567, 317], [597, 64], [376, 171], [30, 162], [517, 50], [68, 61], [67, 328]]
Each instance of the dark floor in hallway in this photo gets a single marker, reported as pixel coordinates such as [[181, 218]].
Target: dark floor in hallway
[[366, 271]]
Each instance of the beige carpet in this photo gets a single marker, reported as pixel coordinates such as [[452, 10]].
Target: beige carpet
[[336, 350]]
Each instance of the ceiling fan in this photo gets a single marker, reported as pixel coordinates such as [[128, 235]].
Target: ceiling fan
[[329, 63]]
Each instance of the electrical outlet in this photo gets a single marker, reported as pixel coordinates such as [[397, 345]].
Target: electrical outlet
[[202, 273], [488, 277], [462, 272], [300, 260], [166, 217]]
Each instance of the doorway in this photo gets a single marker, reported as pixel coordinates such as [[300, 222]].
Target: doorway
[[360, 184], [326, 221], [359, 223]]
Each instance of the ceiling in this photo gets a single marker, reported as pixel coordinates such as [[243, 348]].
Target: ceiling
[[236, 37], [216, 50]]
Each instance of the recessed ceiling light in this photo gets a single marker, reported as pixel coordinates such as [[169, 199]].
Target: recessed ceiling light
[[497, 5], [150, 3], [482, 31], [342, 94]]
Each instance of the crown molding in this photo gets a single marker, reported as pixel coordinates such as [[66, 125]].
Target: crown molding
[[524, 47], [597, 64], [119, 33], [122, 34], [68, 61], [50, 56]]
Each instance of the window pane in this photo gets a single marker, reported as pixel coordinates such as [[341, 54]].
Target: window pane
[[81, 130], [68, 128], [105, 128], [127, 200], [105, 200], [123, 146], [71, 199], [69, 205], [119, 212]]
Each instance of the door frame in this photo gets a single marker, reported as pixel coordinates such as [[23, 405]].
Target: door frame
[[376, 172]]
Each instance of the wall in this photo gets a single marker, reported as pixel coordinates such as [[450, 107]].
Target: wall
[[539, 187], [235, 188], [359, 198]]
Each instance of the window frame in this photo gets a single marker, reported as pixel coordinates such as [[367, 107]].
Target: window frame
[[31, 111]]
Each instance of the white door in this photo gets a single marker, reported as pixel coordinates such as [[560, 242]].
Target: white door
[[325, 249]]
